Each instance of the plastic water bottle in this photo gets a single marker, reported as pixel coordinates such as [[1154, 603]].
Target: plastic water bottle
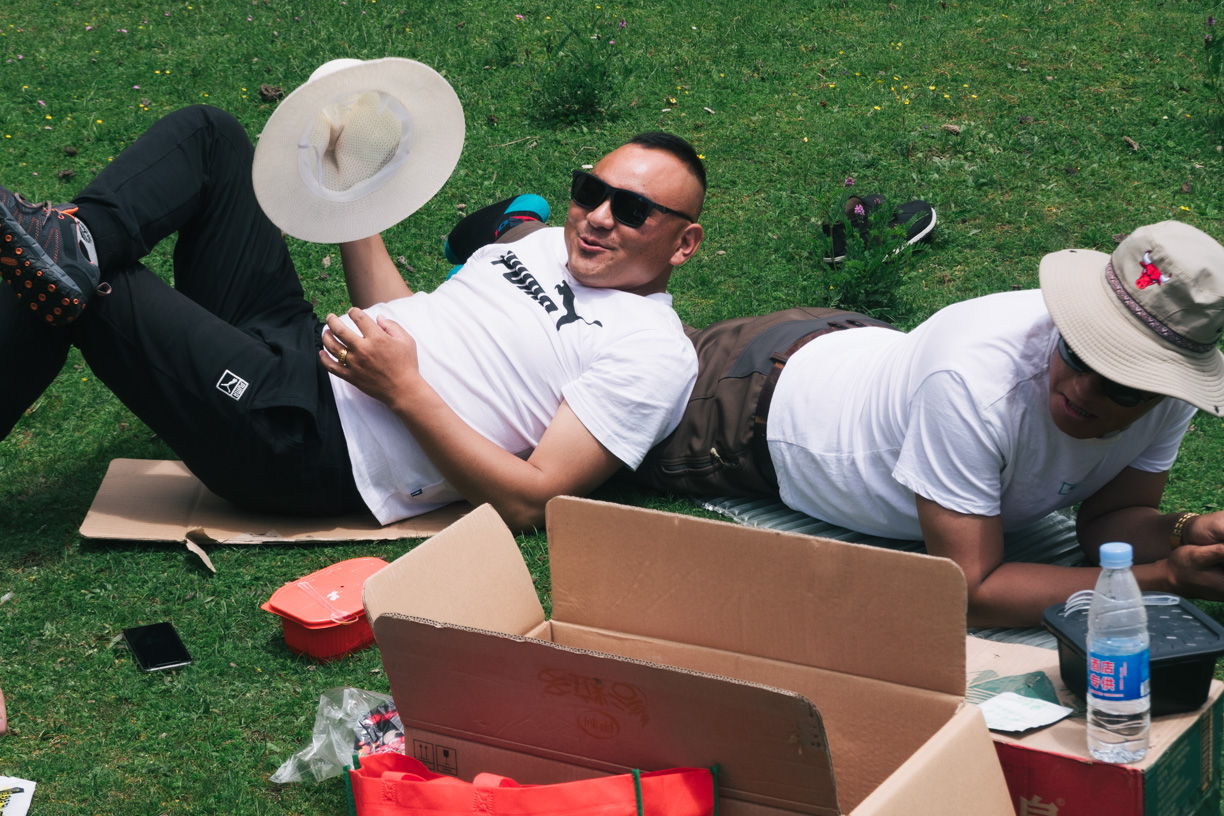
[[1119, 667]]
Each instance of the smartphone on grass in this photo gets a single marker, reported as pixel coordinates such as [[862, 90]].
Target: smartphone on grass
[[157, 647]]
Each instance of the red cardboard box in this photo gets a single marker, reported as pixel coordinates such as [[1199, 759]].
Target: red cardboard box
[[1050, 772]]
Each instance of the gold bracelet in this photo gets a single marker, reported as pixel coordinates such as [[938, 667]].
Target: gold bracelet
[[1176, 538]]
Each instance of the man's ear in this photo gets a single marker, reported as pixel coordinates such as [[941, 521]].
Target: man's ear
[[690, 239]]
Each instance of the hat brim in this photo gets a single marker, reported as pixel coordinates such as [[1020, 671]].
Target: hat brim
[[437, 142], [1114, 342]]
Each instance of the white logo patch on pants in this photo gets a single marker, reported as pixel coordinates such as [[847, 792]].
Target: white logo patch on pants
[[231, 384]]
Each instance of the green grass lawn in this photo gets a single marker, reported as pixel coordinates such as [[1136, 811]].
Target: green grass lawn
[[1031, 126]]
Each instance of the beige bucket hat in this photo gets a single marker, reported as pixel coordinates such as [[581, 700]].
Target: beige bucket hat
[[1150, 315], [357, 149]]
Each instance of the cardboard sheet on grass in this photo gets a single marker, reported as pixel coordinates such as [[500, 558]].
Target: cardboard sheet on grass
[[1049, 770], [159, 500], [822, 677]]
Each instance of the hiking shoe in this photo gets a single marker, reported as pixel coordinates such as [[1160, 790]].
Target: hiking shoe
[[48, 257], [917, 216], [488, 224]]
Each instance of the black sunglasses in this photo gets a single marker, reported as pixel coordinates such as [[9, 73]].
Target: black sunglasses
[[630, 208], [1123, 395]]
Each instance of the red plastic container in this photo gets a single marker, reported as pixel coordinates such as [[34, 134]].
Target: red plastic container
[[321, 614]]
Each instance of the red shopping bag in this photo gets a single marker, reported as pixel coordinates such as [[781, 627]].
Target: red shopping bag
[[396, 785]]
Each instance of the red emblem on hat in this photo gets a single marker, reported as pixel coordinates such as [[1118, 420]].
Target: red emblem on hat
[[1150, 273]]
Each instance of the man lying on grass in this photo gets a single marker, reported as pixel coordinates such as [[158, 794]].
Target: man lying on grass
[[538, 370], [988, 416]]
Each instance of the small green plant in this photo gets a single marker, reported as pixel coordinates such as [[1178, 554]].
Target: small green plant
[[869, 268], [1213, 43], [582, 74]]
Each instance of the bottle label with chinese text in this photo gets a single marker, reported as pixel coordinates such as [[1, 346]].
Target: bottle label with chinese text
[[1119, 677]]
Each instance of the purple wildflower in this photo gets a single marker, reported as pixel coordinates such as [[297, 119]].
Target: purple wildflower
[[859, 211], [849, 181]]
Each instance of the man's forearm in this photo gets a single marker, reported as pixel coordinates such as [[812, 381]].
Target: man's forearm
[[475, 466], [370, 274], [1015, 594], [1146, 529]]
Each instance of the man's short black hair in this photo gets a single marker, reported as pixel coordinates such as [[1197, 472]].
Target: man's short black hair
[[678, 147]]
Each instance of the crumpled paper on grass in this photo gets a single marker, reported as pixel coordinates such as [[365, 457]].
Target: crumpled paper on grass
[[349, 721], [15, 795]]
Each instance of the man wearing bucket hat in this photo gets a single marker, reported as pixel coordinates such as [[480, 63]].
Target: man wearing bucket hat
[[986, 417], [540, 370]]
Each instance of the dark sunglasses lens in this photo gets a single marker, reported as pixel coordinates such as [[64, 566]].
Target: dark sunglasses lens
[[1072, 359], [1124, 395], [588, 191], [630, 209]]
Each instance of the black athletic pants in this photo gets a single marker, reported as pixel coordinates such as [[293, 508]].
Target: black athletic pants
[[223, 366]]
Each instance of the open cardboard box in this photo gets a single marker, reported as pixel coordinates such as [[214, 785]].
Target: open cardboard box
[[1049, 770], [823, 677], [160, 500]]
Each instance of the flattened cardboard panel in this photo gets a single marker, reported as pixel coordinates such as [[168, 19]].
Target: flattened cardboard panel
[[898, 617], [606, 712], [471, 574], [873, 727], [144, 499], [955, 772], [160, 500]]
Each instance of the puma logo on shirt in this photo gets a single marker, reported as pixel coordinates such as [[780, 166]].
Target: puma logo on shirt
[[518, 274], [567, 300]]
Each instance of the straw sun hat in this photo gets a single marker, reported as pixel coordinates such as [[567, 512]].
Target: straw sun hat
[[1150, 315], [357, 149]]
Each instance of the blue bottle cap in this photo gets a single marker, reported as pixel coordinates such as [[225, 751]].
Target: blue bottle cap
[[1116, 555]]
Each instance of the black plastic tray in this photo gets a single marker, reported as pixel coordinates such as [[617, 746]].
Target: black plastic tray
[[1185, 643]]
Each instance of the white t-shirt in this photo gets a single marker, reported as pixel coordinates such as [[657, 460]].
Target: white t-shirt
[[956, 411], [503, 343]]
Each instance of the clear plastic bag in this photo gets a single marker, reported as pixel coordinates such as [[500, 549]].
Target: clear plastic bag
[[350, 721]]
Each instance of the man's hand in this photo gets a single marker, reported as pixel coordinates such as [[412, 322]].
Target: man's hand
[[1197, 571], [1205, 529], [1127, 509], [380, 358]]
